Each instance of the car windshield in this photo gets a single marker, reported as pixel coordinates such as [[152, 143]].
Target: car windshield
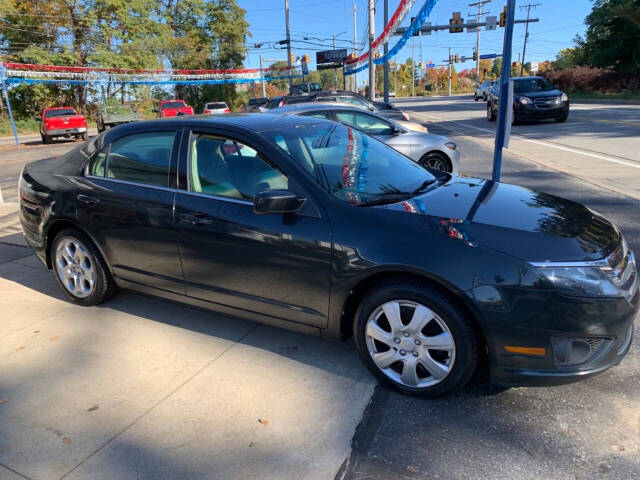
[[258, 101], [60, 112], [172, 105], [532, 85], [352, 166], [213, 106]]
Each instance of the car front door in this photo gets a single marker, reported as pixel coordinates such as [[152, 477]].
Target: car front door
[[275, 264], [125, 202]]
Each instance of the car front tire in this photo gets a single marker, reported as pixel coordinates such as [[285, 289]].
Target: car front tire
[[475, 97], [562, 119], [79, 269], [415, 338], [436, 161]]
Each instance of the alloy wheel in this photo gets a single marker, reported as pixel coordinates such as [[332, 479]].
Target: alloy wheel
[[75, 267], [410, 343], [435, 161]]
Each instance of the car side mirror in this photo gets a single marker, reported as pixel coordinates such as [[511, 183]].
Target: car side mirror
[[37, 118], [155, 110], [372, 108], [276, 201]]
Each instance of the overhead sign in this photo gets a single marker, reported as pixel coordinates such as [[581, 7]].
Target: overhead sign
[[327, 66], [430, 65], [534, 66], [488, 55], [305, 68], [472, 29], [331, 56], [491, 22]]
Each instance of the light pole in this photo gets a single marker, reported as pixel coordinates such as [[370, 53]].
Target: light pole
[[335, 70]]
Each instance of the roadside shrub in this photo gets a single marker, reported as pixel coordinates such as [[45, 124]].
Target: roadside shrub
[[591, 79]]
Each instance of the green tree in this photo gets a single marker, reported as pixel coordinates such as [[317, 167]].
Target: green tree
[[496, 68], [568, 57]]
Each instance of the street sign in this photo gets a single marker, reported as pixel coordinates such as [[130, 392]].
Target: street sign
[[488, 55], [472, 29], [430, 65], [534, 66], [305, 68], [331, 56], [491, 22], [327, 66]]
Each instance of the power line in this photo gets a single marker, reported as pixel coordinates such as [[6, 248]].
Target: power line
[[526, 35]]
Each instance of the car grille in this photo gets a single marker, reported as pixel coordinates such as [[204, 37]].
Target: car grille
[[546, 103], [623, 270]]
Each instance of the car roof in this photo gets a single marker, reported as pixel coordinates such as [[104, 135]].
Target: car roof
[[318, 106], [256, 122]]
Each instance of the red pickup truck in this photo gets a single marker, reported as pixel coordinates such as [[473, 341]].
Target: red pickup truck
[[62, 122], [173, 108]]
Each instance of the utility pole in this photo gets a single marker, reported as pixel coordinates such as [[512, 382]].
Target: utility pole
[[355, 44], [385, 66], [264, 87], [335, 70], [449, 71], [478, 18], [372, 71], [286, 18], [526, 34], [413, 67]]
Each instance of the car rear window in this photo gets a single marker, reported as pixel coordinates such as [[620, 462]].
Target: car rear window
[[172, 105], [258, 101], [59, 112], [216, 106], [141, 158]]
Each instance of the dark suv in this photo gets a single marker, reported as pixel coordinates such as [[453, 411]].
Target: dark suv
[[534, 98]]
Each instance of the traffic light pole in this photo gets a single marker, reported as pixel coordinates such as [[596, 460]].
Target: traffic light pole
[[372, 70], [504, 90], [286, 18], [449, 71], [413, 67], [478, 17], [264, 87]]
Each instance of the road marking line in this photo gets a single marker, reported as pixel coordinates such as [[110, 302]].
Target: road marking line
[[557, 147]]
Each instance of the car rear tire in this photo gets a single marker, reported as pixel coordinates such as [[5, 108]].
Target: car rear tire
[[44, 138], [475, 97], [80, 269], [491, 116], [435, 161], [415, 338], [85, 136]]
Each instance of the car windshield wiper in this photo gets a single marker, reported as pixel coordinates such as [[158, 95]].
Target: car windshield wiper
[[423, 186], [385, 198]]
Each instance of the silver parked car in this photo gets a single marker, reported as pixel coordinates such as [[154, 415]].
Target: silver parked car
[[482, 90], [433, 151]]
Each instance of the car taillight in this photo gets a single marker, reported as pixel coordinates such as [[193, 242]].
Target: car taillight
[[405, 116], [281, 103], [207, 111], [226, 110]]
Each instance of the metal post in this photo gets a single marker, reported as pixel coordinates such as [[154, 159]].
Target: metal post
[[355, 44], [413, 66], [449, 71], [372, 71], [504, 88], [478, 17], [335, 70], [5, 94], [286, 18], [385, 67], [264, 87]]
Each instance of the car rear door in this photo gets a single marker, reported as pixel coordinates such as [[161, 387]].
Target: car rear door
[[126, 203], [276, 265]]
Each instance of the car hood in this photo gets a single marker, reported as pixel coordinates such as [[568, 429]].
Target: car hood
[[528, 225], [545, 94]]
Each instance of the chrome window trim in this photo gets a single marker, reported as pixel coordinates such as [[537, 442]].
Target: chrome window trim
[[169, 189], [589, 263]]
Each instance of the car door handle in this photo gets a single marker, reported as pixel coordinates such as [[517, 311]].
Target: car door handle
[[91, 201], [195, 219]]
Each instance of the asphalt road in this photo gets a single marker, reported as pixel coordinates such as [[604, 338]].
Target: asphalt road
[[587, 430]]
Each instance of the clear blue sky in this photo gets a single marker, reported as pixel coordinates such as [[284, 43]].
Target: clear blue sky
[[560, 21]]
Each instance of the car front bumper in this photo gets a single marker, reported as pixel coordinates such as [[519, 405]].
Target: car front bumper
[[529, 112], [548, 322]]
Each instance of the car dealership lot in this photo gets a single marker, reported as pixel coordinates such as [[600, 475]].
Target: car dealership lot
[[146, 388]]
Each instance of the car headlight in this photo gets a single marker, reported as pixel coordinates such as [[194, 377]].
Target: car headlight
[[450, 145], [564, 98], [405, 116], [581, 280], [526, 101]]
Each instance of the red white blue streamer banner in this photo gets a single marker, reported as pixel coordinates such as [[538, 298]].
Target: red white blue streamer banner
[[423, 14], [23, 73]]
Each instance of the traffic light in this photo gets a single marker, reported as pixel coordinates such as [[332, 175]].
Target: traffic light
[[420, 64], [376, 55], [305, 58], [503, 17], [450, 58], [475, 56], [457, 58], [292, 59], [404, 66], [456, 20]]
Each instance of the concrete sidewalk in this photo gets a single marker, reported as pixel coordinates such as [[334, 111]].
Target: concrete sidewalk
[[145, 388]]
